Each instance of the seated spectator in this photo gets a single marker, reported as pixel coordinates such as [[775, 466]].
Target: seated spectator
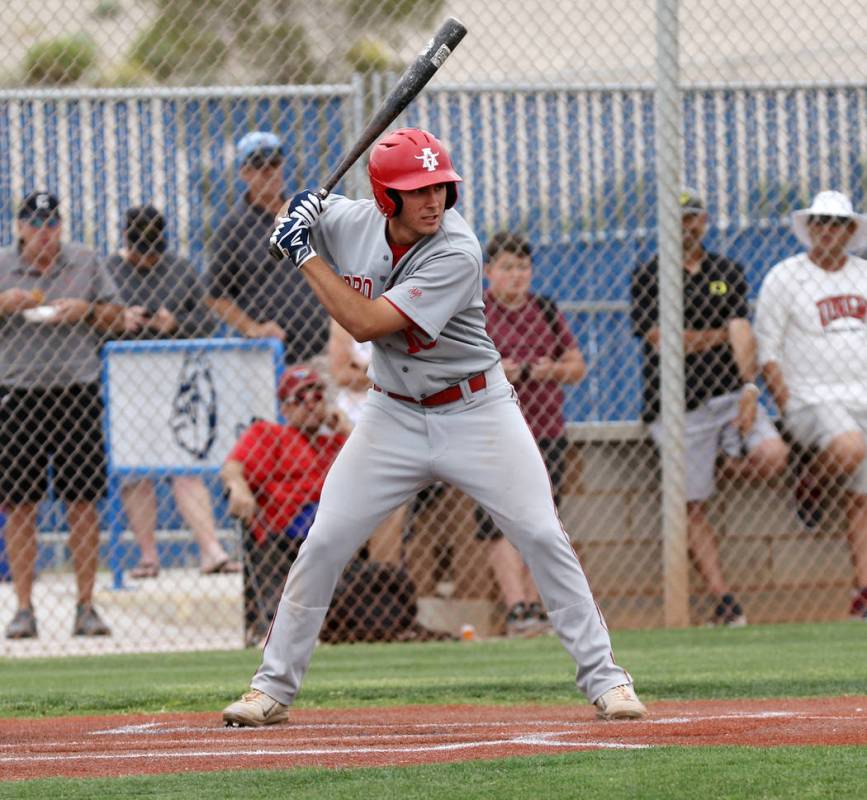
[[163, 296], [540, 356], [243, 287], [811, 322], [348, 361], [273, 478], [57, 303], [723, 410]]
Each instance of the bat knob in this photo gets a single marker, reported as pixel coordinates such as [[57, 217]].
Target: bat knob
[[275, 252]]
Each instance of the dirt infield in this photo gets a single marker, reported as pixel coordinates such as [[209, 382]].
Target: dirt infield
[[156, 743]]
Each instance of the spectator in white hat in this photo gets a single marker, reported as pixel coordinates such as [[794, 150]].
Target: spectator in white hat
[[811, 323]]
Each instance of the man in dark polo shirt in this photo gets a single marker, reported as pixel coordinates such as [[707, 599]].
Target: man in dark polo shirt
[[163, 298], [246, 288], [723, 409], [56, 302], [539, 355]]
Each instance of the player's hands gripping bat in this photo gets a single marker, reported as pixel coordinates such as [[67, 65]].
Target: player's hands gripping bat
[[410, 84], [291, 237]]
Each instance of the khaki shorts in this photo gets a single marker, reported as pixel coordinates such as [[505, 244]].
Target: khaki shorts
[[815, 426], [709, 429]]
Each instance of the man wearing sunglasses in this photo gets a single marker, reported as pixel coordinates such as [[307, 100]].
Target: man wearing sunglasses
[[57, 301], [273, 478], [811, 322], [244, 288]]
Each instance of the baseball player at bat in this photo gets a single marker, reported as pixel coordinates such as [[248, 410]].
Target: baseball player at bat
[[404, 271]]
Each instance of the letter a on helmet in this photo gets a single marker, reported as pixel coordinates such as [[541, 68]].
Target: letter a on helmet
[[409, 158]]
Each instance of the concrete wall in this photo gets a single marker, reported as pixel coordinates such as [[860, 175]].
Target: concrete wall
[[611, 508]]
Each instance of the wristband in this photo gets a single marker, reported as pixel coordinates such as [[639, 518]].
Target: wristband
[[750, 387]]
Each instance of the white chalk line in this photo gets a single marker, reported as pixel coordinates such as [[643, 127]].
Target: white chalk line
[[150, 755]]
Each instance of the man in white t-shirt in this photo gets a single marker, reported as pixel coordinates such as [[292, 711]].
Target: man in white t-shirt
[[811, 323]]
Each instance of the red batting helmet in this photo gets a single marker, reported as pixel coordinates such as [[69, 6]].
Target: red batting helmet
[[409, 158]]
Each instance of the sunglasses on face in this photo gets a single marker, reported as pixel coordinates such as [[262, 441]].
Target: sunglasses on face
[[262, 160], [827, 219], [315, 394], [43, 222]]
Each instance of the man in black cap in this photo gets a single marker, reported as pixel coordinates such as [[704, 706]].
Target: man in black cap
[[164, 299], [723, 412], [57, 301]]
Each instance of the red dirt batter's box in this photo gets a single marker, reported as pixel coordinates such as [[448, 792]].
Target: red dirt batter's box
[[157, 743]]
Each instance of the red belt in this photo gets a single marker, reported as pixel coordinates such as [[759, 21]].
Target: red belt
[[449, 395]]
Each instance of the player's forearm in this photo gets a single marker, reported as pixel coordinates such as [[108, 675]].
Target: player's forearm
[[700, 341], [229, 313], [570, 368], [361, 317], [232, 474], [744, 348], [773, 375], [107, 318]]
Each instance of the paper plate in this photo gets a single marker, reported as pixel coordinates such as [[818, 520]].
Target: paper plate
[[39, 314]]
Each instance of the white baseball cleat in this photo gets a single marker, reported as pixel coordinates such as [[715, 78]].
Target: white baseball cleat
[[621, 702], [255, 709]]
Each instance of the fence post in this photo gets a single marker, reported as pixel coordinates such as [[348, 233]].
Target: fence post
[[668, 139]]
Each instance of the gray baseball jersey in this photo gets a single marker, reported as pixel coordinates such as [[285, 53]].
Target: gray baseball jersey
[[36, 354], [437, 285], [479, 443]]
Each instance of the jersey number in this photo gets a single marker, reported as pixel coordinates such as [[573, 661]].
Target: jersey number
[[414, 344], [360, 284]]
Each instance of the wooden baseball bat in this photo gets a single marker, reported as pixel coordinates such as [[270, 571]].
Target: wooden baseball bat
[[405, 90]]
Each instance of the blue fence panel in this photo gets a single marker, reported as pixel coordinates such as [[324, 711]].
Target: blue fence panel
[[76, 171], [7, 203], [754, 153], [145, 150], [122, 163]]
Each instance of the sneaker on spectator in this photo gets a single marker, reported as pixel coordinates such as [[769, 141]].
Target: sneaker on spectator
[[808, 499], [526, 621], [729, 612], [88, 622], [255, 709], [858, 607], [537, 612], [23, 625], [621, 702]]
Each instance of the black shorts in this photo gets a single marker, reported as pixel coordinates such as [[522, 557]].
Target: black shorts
[[61, 426], [554, 453]]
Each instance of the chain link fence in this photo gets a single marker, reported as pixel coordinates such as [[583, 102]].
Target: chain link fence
[[632, 174]]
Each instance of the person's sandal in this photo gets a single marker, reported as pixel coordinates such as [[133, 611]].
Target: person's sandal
[[223, 567], [145, 569]]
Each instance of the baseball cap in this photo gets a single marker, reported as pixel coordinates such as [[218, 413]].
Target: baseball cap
[[297, 377], [145, 229], [262, 143], [690, 201], [39, 204]]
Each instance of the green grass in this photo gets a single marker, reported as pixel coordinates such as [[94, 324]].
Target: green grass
[[738, 773], [759, 661]]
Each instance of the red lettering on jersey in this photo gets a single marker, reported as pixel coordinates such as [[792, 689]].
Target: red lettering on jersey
[[361, 284], [844, 305], [414, 344]]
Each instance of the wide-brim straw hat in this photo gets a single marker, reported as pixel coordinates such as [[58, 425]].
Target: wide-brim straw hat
[[830, 204]]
